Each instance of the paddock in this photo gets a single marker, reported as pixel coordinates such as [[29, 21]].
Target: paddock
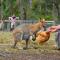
[[35, 52], [46, 50]]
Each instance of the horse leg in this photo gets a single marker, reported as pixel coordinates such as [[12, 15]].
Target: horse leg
[[26, 47], [15, 43], [27, 43]]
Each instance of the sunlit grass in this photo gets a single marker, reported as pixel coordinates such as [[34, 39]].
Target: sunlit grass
[[7, 38]]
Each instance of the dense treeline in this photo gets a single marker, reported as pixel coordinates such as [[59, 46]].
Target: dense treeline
[[30, 9]]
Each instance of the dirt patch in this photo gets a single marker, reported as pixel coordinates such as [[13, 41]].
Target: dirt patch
[[8, 53], [28, 56]]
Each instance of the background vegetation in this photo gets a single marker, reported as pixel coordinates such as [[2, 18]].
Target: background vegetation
[[30, 9]]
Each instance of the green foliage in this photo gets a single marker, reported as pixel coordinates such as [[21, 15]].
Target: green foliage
[[38, 9], [48, 17]]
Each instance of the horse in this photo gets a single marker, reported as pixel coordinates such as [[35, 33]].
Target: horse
[[24, 31]]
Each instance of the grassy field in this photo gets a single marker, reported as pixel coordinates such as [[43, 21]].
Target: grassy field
[[9, 53], [6, 38]]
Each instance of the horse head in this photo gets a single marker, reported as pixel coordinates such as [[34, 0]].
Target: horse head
[[37, 27]]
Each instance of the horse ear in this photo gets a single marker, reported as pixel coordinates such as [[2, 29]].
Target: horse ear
[[43, 20]]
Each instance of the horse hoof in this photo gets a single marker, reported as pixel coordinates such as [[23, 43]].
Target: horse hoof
[[25, 48], [35, 47]]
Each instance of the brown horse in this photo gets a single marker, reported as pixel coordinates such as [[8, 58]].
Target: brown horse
[[24, 31]]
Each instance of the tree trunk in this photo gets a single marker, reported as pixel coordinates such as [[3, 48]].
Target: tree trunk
[[0, 9]]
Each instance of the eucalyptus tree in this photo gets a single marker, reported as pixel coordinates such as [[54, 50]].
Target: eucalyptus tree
[[0, 9], [57, 5], [24, 9]]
